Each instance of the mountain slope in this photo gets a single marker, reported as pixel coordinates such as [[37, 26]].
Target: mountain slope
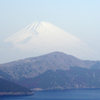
[[74, 78], [9, 88], [5, 75], [55, 70], [43, 37], [31, 67], [96, 65]]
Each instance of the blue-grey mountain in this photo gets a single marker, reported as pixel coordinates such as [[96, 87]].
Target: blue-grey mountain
[[55, 70]]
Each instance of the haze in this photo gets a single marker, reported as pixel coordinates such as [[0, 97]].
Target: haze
[[77, 17]]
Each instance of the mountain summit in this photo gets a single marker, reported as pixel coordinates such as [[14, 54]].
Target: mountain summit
[[43, 37], [34, 66], [55, 70]]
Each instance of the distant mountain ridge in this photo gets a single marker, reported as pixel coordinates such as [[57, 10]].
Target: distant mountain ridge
[[31, 67], [55, 70]]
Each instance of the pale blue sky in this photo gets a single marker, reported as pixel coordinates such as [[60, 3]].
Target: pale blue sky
[[80, 18]]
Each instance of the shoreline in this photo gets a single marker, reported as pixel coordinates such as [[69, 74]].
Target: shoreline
[[16, 93]]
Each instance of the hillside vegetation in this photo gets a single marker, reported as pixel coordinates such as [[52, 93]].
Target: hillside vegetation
[[55, 70], [9, 88]]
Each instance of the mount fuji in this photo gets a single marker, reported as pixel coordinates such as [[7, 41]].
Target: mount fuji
[[43, 37]]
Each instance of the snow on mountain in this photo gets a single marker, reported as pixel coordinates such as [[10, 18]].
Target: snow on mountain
[[43, 37]]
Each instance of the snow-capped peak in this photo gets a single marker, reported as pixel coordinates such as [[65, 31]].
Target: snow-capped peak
[[45, 37]]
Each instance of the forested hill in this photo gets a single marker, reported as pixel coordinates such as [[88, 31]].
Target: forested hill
[[55, 70], [9, 88]]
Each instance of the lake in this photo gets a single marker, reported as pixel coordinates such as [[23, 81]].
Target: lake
[[82, 94]]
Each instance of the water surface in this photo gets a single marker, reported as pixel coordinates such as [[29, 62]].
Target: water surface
[[83, 94]]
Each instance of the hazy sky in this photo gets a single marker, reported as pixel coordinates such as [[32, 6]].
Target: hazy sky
[[80, 18]]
